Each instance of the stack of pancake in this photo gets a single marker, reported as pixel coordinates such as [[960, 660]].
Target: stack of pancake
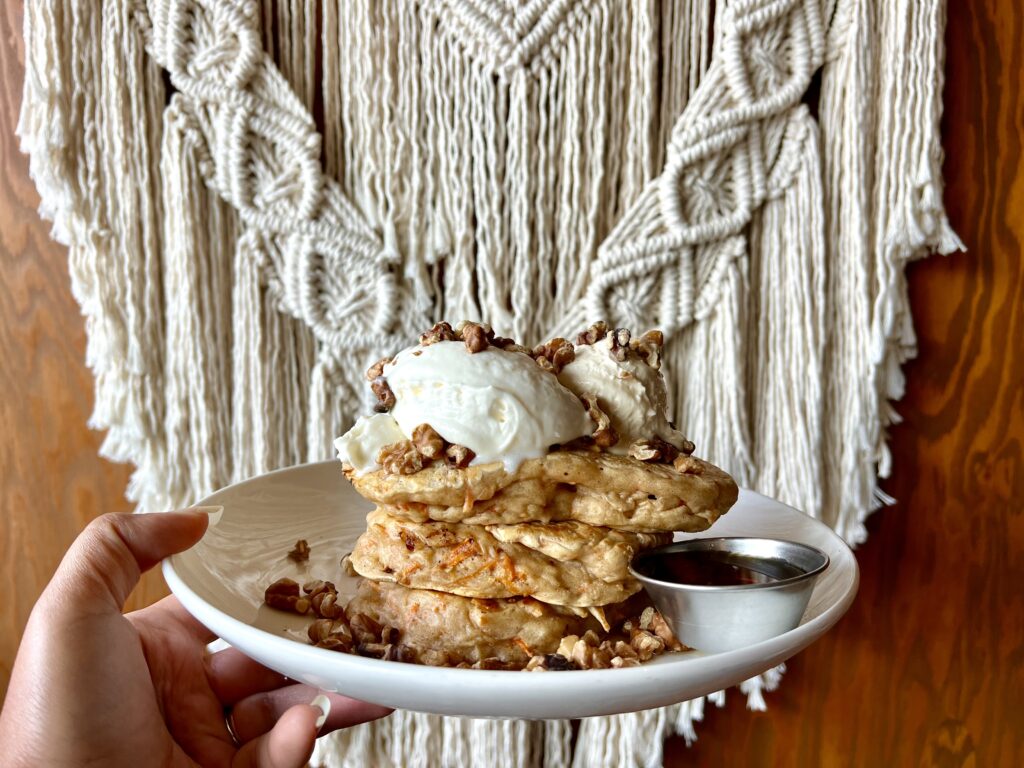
[[492, 566]]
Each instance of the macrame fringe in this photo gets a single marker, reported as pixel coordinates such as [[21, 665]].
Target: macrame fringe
[[273, 358], [416, 740], [541, 159], [880, 105], [199, 229], [708, 361], [86, 69], [786, 323]]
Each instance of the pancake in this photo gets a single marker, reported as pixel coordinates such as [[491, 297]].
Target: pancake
[[588, 486], [448, 630], [568, 563]]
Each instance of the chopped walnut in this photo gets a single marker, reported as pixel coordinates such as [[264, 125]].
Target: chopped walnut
[[557, 662], [385, 397], [300, 554], [620, 661], [376, 370], [492, 662], [653, 450], [604, 434], [600, 658], [646, 644], [326, 604], [283, 595], [315, 587], [404, 653], [649, 347], [376, 650], [428, 442], [440, 332], [566, 645], [593, 334], [582, 654], [647, 617], [346, 566], [535, 664], [649, 635], [475, 337], [661, 628], [322, 631], [364, 628], [509, 345], [642, 450], [555, 355], [400, 458], [623, 650], [620, 344], [337, 643], [545, 364], [461, 326], [459, 456], [323, 598], [687, 465]]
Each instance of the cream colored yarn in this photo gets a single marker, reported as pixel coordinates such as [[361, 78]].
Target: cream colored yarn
[[538, 163]]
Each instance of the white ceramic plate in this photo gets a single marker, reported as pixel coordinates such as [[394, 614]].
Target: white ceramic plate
[[221, 582]]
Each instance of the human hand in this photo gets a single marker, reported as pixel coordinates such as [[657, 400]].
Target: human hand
[[92, 686]]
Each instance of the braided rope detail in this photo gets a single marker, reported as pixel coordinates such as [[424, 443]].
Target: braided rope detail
[[509, 36], [736, 143], [257, 146]]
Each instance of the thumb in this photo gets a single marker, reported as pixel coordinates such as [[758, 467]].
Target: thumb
[[106, 560]]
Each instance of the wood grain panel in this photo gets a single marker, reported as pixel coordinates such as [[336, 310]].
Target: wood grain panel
[[51, 480], [928, 666], [925, 669]]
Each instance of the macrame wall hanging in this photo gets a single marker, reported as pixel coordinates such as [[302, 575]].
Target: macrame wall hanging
[[260, 199]]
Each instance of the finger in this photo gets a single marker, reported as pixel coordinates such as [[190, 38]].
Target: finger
[[105, 561], [288, 745], [170, 613], [234, 676], [255, 715]]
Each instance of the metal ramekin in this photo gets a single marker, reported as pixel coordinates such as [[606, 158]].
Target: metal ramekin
[[723, 618]]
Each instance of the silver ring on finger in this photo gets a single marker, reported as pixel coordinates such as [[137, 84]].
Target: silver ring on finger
[[229, 723]]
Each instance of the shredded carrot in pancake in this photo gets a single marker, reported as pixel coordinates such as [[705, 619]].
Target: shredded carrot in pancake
[[406, 573], [509, 577], [481, 569], [523, 646], [463, 550]]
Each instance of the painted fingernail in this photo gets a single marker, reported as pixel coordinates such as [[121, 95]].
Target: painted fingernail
[[214, 512], [322, 703]]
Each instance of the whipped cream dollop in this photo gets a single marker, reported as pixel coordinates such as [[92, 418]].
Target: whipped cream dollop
[[631, 392], [362, 443], [500, 404]]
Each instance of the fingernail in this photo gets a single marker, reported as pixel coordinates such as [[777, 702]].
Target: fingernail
[[322, 703], [214, 512]]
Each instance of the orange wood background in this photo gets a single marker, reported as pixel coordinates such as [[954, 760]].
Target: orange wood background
[[928, 666]]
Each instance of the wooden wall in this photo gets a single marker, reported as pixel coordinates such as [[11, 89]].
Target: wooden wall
[[926, 669], [51, 480]]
